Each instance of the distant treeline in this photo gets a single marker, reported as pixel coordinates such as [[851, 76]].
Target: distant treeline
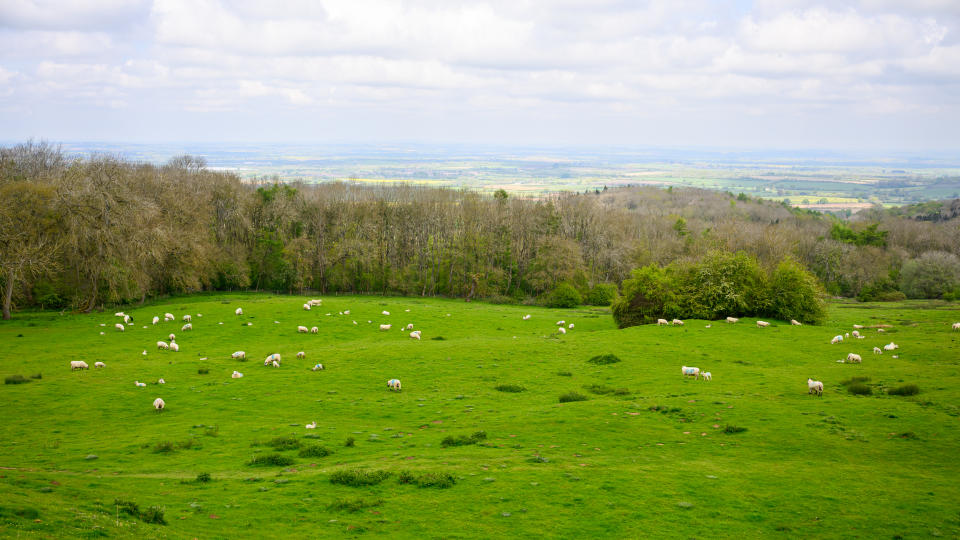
[[86, 232]]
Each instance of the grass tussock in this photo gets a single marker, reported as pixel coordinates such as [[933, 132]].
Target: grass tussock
[[604, 359], [203, 371], [463, 440], [284, 443], [572, 396], [25, 513], [203, 478], [512, 388], [854, 380], [358, 477], [16, 379], [154, 514], [565, 374], [353, 505], [315, 451], [732, 429], [167, 447], [349, 442], [604, 390], [429, 479], [271, 460], [859, 389], [905, 390]]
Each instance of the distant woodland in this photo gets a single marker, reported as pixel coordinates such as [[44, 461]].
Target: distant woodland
[[85, 233]]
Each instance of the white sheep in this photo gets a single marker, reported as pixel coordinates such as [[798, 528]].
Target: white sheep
[[662, 322], [676, 322], [526, 317], [162, 345], [127, 319], [877, 350], [302, 329], [119, 327], [161, 381], [814, 387], [880, 330], [138, 383], [314, 330], [415, 335], [236, 375], [853, 358], [708, 326], [354, 322], [119, 314], [762, 324], [168, 317], [78, 364], [836, 339], [891, 346], [690, 371], [385, 313], [239, 355], [239, 311], [306, 307], [346, 312], [275, 364], [156, 319], [174, 347], [275, 357], [393, 384], [856, 334], [562, 330], [385, 326], [301, 354], [795, 322], [409, 326], [317, 367], [570, 326], [99, 364], [561, 323], [172, 337], [732, 320], [707, 376], [159, 404], [187, 327], [311, 425], [187, 318], [956, 326], [858, 327]]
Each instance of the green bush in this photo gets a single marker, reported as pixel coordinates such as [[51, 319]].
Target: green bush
[[284, 443], [859, 389], [604, 359], [931, 275], [731, 429], [16, 379], [349, 441], [463, 440], [601, 294], [564, 296], [430, 479], [203, 477], [315, 451], [905, 390], [796, 294], [647, 294], [572, 396], [358, 477], [271, 460]]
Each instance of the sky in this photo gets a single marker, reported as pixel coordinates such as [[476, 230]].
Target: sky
[[878, 75]]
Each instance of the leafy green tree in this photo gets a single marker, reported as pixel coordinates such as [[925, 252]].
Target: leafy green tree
[[564, 295], [601, 294], [930, 275], [796, 294], [647, 295]]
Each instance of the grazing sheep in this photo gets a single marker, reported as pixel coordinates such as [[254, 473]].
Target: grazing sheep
[[690, 371], [78, 364], [301, 354], [384, 312], [302, 329], [354, 322], [314, 330], [836, 339], [570, 326], [156, 319], [99, 364], [174, 347], [562, 330], [561, 323], [733, 320], [385, 326], [239, 355], [876, 350], [144, 352], [138, 383], [708, 326], [275, 364], [814, 387], [186, 327], [393, 384], [162, 345], [707, 376], [311, 425], [119, 314], [306, 307], [239, 311], [853, 358], [891, 346], [317, 367], [161, 381], [346, 312], [172, 337], [762, 324], [880, 330], [415, 335], [409, 326], [119, 327], [127, 319], [956, 326], [676, 322], [526, 317], [856, 334], [187, 318], [315, 302], [858, 327], [662, 322], [236, 375], [158, 404], [168, 317], [795, 322], [275, 357]]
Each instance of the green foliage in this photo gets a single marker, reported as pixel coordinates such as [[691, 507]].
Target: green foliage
[[572, 396], [796, 294], [931, 275], [859, 389], [604, 359], [730, 429], [646, 296], [315, 451], [513, 388], [154, 514], [721, 284], [349, 442], [15, 379], [869, 236], [203, 478], [463, 440], [284, 443], [564, 296], [358, 477], [603, 390], [883, 289], [429, 479], [601, 294], [904, 390], [270, 460]]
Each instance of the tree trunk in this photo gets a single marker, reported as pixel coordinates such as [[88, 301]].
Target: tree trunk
[[8, 296]]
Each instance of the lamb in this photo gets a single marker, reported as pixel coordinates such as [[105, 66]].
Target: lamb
[[526, 317], [876, 350], [694, 371], [415, 335], [384, 312], [306, 307], [239, 311], [236, 375], [302, 329], [187, 318], [301, 354], [158, 404], [317, 367], [707, 376], [311, 425], [346, 312], [409, 326], [156, 319], [276, 364], [186, 327], [314, 330], [570, 326], [174, 347], [836, 339], [880, 330], [99, 364], [78, 364], [239, 355], [891, 346], [385, 326], [127, 319], [853, 358], [561, 323], [733, 320], [956, 326], [393, 384], [814, 387], [662, 322], [119, 327], [795, 322], [161, 381], [162, 345], [172, 337], [138, 383], [562, 330], [762, 324], [676, 322]]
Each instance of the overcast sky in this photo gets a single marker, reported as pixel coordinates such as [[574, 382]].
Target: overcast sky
[[859, 74]]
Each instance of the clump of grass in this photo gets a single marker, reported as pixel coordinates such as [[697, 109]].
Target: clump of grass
[[604, 359], [572, 396], [270, 460], [16, 379], [353, 505], [166, 447], [203, 371], [349, 441], [25, 513], [905, 390], [854, 380], [538, 459], [315, 451], [859, 389], [439, 338], [565, 374], [604, 390], [514, 388], [212, 431], [37, 376], [358, 477], [284, 443], [203, 477], [463, 440], [154, 514], [908, 435], [429, 479], [731, 429]]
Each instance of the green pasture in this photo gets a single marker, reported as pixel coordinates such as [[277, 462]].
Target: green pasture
[[648, 454]]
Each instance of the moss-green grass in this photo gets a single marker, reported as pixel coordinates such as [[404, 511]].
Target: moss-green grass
[[838, 466]]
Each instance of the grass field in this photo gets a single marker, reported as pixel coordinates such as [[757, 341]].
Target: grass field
[[646, 454]]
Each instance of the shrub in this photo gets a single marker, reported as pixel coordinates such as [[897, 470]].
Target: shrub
[[349, 441], [358, 477], [284, 443], [859, 389], [271, 460], [731, 429], [564, 296], [646, 295], [565, 374], [16, 379], [796, 294], [572, 396], [154, 514], [602, 294], [509, 388], [438, 338], [905, 390], [353, 505], [604, 359], [430, 479], [203, 477], [463, 440], [315, 451], [164, 447], [203, 371], [931, 275]]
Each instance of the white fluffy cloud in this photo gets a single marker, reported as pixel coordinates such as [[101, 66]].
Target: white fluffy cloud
[[603, 66]]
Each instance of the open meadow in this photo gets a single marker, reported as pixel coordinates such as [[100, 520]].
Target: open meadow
[[477, 444]]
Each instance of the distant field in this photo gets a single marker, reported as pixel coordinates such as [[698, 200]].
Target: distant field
[[646, 454]]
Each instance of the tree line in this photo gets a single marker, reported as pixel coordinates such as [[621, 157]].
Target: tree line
[[82, 233]]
